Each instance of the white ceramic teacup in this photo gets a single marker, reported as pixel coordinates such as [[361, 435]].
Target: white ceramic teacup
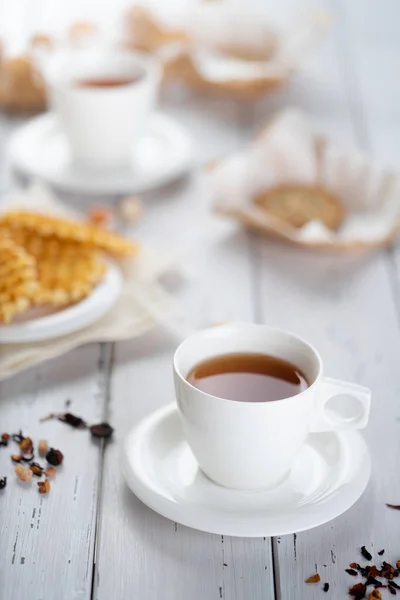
[[252, 445], [102, 124]]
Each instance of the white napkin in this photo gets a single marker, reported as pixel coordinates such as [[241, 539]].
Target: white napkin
[[143, 301]]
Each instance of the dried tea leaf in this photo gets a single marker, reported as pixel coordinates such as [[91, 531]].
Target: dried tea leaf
[[352, 572], [3, 482], [72, 420], [381, 552], [313, 579], [36, 469], [44, 486], [27, 457], [326, 587], [365, 553], [395, 506], [101, 430], [392, 591], [54, 457], [17, 437], [394, 584]]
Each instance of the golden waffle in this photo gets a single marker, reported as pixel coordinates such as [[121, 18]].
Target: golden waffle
[[18, 279], [73, 231], [66, 271]]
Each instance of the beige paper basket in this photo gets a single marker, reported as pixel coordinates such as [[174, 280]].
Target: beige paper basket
[[209, 52], [287, 151]]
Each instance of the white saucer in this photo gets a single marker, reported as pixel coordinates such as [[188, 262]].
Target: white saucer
[[330, 474], [70, 319], [40, 150]]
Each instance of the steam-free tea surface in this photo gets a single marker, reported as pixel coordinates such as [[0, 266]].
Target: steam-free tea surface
[[107, 82], [248, 377]]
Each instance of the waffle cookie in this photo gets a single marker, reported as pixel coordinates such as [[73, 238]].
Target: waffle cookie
[[68, 230], [18, 279], [298, 205], [66, 271]]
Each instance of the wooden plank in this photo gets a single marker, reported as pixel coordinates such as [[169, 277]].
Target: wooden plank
[[47, 542], [345, 306], [157, 558]]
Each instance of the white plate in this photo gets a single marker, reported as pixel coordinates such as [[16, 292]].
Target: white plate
[[40, 150], [70, 319], [330, 474]]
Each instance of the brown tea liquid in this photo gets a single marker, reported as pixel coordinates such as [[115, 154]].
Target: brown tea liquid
[[106, 82], [246, 377]]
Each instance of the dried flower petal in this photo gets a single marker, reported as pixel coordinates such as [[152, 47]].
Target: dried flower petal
[[130, 209], [100, 215], [44, 486], [50, 472], [36, 469], [23, 473], [3, 483], [353, 565], [43, 447], [26, 444], [375, 595], [365, 553], [387, 571], [101, 430], [313, 579], [371, 571], [352, 572], [326, 587], [54, 457], [72, 420], [395, 506], [16, 457], [358, 591], [392, 591]]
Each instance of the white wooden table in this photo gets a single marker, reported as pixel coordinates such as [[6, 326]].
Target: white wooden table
[[91, 538]]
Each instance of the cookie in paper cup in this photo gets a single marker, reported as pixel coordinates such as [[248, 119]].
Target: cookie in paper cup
[[223, 47], [296, 185]]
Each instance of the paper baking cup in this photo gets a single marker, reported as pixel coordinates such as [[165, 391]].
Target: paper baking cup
[[208, 51], [288, 152]]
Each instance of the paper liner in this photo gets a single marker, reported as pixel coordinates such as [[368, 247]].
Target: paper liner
[[143, 302], [209, 51], [287, 151]]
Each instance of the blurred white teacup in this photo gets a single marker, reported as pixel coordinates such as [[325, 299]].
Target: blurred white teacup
[[103, 98]]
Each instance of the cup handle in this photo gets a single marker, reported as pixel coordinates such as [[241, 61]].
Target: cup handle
[[349, 406]]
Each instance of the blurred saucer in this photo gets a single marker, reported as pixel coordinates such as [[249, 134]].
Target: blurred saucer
[[54, 324], [329, 475], [40, 150]]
